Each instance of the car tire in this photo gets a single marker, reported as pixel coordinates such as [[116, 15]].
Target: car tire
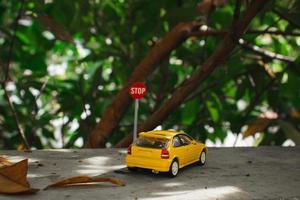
[[202, 158], [174, 169], [132, 169]]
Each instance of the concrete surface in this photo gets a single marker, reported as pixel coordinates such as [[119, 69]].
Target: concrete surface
[[230, 173]]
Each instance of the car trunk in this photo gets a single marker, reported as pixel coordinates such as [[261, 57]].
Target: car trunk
[[147, 147], [146, 152]]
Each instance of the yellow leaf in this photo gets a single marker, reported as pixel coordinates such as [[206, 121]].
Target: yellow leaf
[[256, 126], [21, 147], [81, 180], [13, 179]]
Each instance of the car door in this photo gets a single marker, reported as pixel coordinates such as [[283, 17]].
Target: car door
[[188, 147], [194, 148], [180, 151]]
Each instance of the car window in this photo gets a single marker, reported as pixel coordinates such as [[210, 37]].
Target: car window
[[148, 142], [190, 138], [176, 141], [185, 139]]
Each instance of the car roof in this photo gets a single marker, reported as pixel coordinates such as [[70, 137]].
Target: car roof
[[161, 133]]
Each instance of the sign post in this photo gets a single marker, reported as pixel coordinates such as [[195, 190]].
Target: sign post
[[137, 91], [136, 111]]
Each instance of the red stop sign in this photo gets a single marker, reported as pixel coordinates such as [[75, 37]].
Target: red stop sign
[[137, 90]]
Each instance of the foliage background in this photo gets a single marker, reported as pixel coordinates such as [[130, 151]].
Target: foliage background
[[70, 58]]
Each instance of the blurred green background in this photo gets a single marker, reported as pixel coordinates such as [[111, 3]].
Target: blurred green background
[[69, 59]]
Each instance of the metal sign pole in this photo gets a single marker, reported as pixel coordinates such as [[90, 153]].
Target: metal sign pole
[[136, 110]]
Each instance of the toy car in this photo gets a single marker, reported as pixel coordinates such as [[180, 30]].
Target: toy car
[[164, 151]]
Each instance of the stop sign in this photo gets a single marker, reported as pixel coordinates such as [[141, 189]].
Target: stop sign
[[137, 90]]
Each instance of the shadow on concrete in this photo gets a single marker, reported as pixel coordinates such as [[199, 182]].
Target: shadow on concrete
[[230, 173]]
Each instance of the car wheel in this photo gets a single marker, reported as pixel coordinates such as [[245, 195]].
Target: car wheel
[[132, 169], [202, 158], [174, 168]]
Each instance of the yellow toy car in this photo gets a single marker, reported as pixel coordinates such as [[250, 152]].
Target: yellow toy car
[[164, 151]]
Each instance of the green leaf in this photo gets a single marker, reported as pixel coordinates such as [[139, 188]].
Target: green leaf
[[213, 111], [189, 112]]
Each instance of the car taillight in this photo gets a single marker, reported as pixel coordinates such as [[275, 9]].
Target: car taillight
[[164, 154], [129, 150]]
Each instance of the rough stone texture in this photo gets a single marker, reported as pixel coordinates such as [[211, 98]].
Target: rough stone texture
[[230, 173]]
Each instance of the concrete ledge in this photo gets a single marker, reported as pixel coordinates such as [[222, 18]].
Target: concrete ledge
[[230, 173]]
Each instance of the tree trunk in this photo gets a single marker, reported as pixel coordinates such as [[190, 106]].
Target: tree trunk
[[201, 73], [114, 113]]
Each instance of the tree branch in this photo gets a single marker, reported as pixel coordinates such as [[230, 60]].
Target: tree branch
[[201, 73], [281, 15], [12, 42], [214, 84], [260, 51], [42, 89], [265, 53], [222, 32], [114, 113], [15, 117], [6, 77], [252, 105], [256, 100], [236, 14], [82, 95]]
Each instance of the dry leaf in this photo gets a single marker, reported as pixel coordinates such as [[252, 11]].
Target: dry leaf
[[13, 179], [4, 162], [256, 126], [60, 32], [81, 180], [111, 180]]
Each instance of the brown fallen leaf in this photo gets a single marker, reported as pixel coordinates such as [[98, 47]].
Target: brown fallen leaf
[[13, 179], [4, 162], [81, 180]]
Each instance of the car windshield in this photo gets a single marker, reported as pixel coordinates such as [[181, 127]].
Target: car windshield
[[149, 142]]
